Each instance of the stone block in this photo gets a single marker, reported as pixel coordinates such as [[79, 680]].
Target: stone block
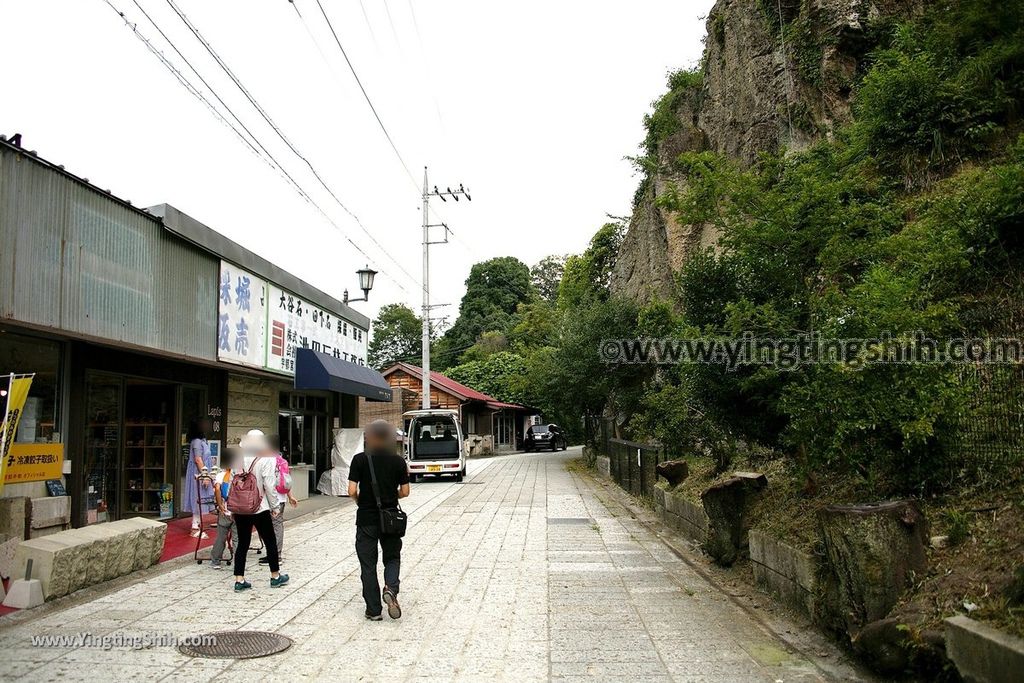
[[784, 571], [8, 546], [147, 538], [67, 561], [53, 563], [14, 516], [604, 466], [983, 654], [116, 556], [49, 512], [691, 520]]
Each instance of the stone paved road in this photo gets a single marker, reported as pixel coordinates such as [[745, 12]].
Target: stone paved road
[[524, 572]]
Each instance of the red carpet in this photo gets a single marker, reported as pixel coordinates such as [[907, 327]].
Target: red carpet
[[179, 539], [7, 610]]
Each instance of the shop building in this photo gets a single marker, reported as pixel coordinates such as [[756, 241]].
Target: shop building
[[136, 322]]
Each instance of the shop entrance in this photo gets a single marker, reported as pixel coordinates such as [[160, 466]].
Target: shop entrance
[[129, 463], [304, 427]]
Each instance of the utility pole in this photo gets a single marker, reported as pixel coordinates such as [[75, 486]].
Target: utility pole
[[427, 194]]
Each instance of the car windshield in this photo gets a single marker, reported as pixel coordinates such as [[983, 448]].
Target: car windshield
[[539, 429]]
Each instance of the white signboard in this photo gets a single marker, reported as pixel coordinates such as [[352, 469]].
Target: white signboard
[[242, 313], [293, 323]]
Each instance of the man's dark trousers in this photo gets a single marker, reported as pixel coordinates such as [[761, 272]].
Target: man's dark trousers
[[367, 538]]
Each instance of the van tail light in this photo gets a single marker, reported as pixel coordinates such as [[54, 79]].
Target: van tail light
[[454, 466]]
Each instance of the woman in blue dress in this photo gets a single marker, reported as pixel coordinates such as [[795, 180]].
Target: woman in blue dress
[[199, 458]]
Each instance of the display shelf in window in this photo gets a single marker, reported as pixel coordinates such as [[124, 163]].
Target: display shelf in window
[[145, 477]]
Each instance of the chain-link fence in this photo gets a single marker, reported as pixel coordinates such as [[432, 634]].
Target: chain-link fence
[[989, 436]]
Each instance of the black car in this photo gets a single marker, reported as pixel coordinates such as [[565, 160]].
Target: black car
[[545, 436]]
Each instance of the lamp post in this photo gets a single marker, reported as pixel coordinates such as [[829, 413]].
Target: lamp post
[[366, 276]]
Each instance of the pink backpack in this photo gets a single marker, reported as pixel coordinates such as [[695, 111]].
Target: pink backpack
[[284, 476]]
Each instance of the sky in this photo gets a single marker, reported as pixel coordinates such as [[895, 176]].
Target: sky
[[533, 106]]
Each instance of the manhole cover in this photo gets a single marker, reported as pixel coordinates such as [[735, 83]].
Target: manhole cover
[[570, 520], [237, 645]]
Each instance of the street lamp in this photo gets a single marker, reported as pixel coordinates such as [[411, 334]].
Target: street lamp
[[366, 276]]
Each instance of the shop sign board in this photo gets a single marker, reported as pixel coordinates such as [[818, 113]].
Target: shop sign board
[[262, 325], [34, 462], [294, 323], [242, 317]]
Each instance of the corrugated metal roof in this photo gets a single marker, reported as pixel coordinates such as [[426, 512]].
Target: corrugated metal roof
[[83, 262], [207, 238], [78, 259]]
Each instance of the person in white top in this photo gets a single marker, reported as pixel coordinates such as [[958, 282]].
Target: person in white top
[[258, 456]]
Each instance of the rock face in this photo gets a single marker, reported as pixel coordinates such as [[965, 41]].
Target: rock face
[[767, 85]]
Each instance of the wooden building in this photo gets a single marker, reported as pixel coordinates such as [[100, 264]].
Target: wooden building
[[485, 420]]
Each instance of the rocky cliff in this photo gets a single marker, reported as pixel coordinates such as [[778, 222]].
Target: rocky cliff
[[776, 74]]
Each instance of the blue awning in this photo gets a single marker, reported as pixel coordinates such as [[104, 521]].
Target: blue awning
[[315, 370]]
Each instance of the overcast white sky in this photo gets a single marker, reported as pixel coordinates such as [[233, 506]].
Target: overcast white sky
[[533, 105]]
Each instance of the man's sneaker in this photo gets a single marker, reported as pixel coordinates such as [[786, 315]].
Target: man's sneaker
[[374, 617], [279, 581], [391, 600], [242, 586], [215, 564]]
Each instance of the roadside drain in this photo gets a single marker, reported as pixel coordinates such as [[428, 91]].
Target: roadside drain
[[570, 520]]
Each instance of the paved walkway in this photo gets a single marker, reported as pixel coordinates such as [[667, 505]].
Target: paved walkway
[[520, 573]]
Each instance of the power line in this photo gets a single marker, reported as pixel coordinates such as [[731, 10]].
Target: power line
[[369, 102], [265, 156], [359, 82], [266, 117]]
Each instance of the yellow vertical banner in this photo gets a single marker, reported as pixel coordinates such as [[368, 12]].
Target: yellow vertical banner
[[17, 392]]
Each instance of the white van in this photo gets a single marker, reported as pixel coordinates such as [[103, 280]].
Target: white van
[[433, 444]]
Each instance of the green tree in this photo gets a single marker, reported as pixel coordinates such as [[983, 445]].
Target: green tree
[[397, 334], [588, 275], [499, 375], [494, 290], [547, 276]]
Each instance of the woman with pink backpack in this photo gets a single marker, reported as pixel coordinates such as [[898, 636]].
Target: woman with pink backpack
[[284, 493], [253, 502]]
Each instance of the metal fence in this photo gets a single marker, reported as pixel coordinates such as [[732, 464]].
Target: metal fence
[[989, 433], [633, 465]]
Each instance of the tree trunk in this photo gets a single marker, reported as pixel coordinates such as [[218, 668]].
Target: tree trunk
[[874, 552], [726, 506], [674, 471]]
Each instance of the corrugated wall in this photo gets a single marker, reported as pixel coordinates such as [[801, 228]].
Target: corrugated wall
[[76, 260]]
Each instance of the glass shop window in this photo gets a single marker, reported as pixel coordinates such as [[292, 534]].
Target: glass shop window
[[20, 354]]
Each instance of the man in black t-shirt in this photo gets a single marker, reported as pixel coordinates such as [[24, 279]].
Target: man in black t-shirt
[[393, 483]]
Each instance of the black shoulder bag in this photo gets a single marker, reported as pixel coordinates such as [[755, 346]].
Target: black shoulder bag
[[392, 520]]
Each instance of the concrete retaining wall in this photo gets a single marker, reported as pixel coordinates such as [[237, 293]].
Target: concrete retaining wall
[[983, 654], [782, 570], [684, 516], [70, 560]]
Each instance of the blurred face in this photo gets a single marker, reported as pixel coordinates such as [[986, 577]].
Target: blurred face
[[380, 442]]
